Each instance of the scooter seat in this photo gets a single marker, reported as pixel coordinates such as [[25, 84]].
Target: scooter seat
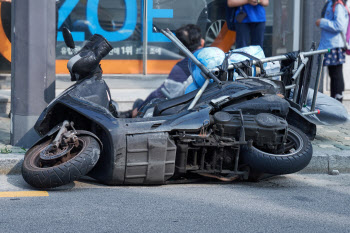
[[172, 103], [237, 89], [172, 106]]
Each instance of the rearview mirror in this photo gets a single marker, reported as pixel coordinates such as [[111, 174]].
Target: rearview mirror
[[68, 38]]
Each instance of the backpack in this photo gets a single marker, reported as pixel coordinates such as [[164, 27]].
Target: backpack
[[346, 38]]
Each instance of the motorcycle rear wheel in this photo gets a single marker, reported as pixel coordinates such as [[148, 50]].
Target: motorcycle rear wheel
[[296, 157], [73, 165]]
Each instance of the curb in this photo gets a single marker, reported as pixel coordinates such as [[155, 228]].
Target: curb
[[11, 164], [327, 162]]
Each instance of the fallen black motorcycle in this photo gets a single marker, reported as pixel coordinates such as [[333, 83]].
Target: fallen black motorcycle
[[226, 130]]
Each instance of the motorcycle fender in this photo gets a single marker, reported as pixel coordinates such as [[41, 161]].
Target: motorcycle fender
[[46, 137], [55, 129], [298, 120]]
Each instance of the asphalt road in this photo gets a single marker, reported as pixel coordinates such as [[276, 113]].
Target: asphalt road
[[292, 203]]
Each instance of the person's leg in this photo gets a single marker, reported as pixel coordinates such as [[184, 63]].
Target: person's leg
[[337, 81], [332, 75], [257, 33], [242, 35]]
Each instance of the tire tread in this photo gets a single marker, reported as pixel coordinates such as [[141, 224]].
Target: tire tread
[[64, 173], [267, 163]]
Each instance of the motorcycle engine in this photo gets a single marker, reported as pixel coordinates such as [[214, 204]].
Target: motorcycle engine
[[267, 131]]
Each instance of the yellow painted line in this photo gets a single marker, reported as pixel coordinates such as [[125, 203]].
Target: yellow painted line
[[25, 194]]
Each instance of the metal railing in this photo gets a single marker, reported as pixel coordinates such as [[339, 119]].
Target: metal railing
[[303, 60]]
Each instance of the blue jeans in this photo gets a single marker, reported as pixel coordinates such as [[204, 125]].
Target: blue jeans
[[249, 34]]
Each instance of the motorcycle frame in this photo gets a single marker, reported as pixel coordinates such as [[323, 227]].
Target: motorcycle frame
[[86, 103], [304, 59], [304, 69], [126, 141], [300, 90], [117, 135]]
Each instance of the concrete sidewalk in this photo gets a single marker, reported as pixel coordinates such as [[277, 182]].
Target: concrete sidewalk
[[331, 150]]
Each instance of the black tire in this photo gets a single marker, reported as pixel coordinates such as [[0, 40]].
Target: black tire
[[211, 21], [278, 164], [64, 172], [213, 31]]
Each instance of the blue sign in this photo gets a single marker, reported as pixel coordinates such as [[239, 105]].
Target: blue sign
[[129, 22]]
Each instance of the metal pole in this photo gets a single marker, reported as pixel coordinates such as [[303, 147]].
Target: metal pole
[[277, 58], [317, 82], [310, 113], [296, 77], [33, 66], [144, 35], [290, 87], [199, 94], [296, 25]]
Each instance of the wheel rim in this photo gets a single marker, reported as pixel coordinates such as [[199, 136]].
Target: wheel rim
[[213, 31], [293, 145], [50, 153], [37, 162]]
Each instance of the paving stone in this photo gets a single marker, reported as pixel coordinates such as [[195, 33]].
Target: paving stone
[[326, 146]]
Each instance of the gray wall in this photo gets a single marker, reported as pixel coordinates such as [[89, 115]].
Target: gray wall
[[311, 11], [32, 67]]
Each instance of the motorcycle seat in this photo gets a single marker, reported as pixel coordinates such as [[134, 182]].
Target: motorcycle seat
[[236, 89], [174, 103]]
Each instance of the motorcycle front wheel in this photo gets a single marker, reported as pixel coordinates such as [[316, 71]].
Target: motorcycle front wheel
[[76, 163], [296, 156]]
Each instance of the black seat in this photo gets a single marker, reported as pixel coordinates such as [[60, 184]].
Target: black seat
[[175, 104], [237, 89]]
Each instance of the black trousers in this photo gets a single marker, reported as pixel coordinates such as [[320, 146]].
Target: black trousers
[[337, 79], [250, 34]]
